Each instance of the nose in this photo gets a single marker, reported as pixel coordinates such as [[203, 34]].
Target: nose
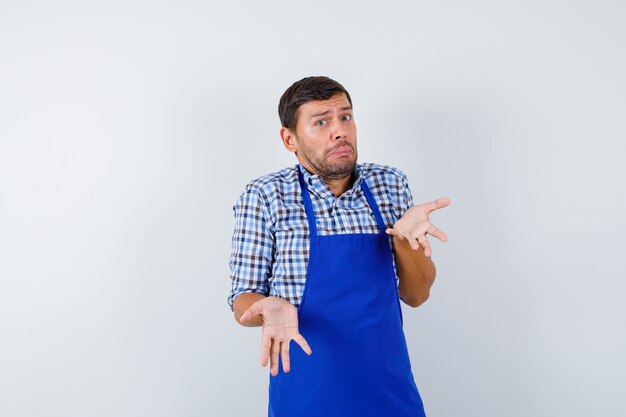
[[339, 132]]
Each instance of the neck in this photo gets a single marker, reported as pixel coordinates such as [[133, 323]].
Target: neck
[[339, 185]]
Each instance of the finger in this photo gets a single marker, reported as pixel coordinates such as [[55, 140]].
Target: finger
[[299, 339], [274, 357], [394, 232], [437, 233], [284, 353], [437, 204], [266, 344], [425, 244]]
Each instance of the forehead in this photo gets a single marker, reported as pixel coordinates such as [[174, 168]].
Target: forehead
[[336, 102]]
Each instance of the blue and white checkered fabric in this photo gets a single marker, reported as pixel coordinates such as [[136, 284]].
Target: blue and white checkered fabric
[[270, 244]]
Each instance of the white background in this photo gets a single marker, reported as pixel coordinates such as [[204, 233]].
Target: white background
[[128, 129]]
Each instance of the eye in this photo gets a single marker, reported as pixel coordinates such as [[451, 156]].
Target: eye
[[320, 123], [346, 117]]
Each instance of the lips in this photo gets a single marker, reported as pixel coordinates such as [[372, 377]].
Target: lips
[[341, 151]]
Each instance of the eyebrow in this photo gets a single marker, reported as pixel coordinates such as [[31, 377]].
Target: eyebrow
[[328, 111]]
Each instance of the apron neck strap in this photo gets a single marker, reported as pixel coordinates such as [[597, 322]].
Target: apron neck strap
[[373, 205], [309, 206], [307, 203]]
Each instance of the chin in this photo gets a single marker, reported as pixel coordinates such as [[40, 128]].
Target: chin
[[341, 168]]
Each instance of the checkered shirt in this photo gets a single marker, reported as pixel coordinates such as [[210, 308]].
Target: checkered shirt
[[270, 244]]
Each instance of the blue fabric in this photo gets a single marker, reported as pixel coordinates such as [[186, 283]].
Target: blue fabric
[[351, 317]]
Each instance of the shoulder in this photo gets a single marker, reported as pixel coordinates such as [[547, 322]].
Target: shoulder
[[382, 172], [389, 181], [265, 193], [390, 186], [273, 181], [268, 187]]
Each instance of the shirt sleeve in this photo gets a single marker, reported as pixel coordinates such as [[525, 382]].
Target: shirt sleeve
[[252, 246], [404, 197]]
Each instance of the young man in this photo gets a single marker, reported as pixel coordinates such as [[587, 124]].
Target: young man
[[312, 263]]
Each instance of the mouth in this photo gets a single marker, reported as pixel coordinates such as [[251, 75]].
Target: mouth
[[341, 151]]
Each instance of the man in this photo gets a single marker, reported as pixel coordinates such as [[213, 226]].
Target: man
[[312, 263]]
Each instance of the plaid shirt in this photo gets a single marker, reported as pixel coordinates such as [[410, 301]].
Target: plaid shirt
[[270, 244]]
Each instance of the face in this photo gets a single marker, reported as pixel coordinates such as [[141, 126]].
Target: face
[[325, 137]]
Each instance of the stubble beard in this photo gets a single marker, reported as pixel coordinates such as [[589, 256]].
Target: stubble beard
[[337, 169]]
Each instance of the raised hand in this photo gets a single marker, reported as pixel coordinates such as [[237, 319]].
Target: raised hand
[[280, 325], [415, 224]]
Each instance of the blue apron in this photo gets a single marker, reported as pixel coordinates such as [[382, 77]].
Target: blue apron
[[351, 317]]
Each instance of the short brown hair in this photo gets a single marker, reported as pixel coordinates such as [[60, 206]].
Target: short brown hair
[[303, 91]]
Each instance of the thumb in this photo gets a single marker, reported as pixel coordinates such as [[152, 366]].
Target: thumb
[[249, 313], [394, 232], [391, 231]]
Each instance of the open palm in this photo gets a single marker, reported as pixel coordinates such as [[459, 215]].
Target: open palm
[[280, 326], [415, 224]]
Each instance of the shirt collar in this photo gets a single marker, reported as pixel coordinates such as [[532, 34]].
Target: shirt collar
[[316, 184]]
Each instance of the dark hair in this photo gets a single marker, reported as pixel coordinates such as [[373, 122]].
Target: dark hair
[[303, 91]]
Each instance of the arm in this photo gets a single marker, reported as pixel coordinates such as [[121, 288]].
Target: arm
[[416, 270], [252, 252], [250, 270], [416, 273]]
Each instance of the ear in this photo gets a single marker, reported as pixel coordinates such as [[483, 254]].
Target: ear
[[289, 139]]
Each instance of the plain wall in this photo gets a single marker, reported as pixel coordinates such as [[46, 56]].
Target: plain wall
[[128, 129]]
